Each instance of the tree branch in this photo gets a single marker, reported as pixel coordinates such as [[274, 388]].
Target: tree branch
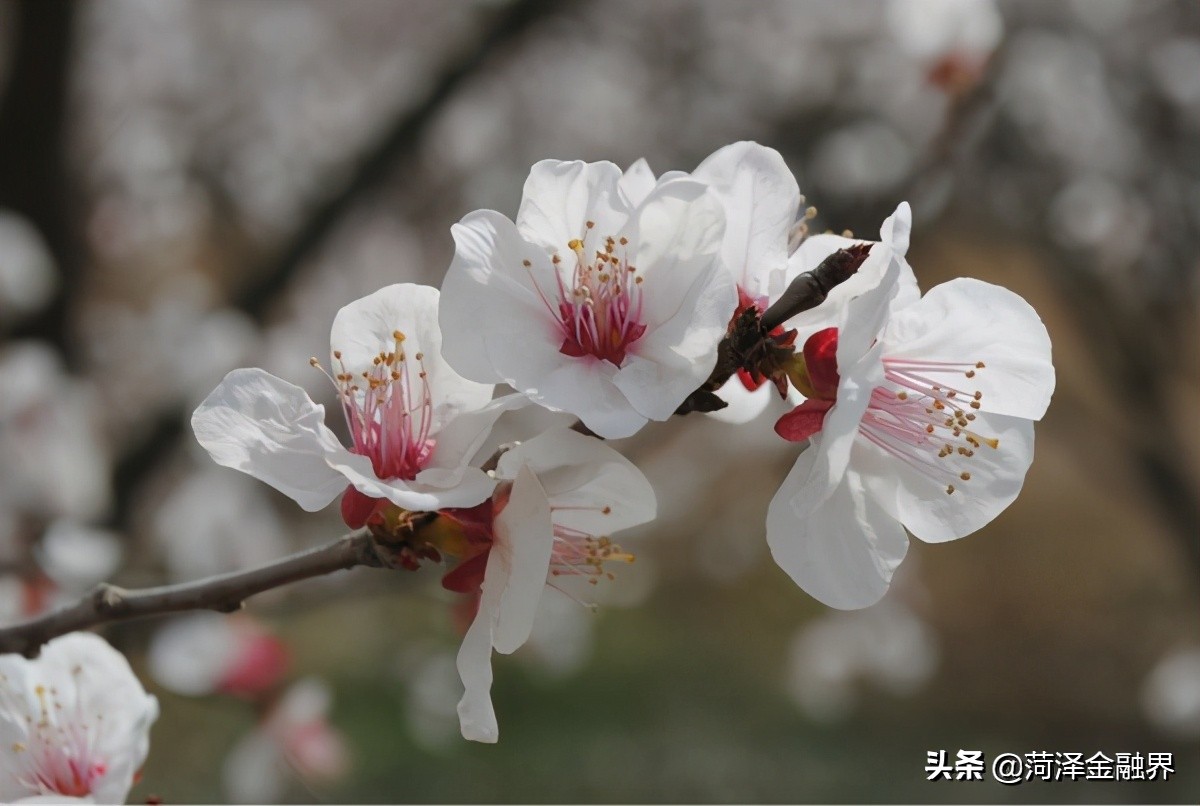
[[224, 593]]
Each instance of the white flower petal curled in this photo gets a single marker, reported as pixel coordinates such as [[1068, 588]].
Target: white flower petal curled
[[271, 429]]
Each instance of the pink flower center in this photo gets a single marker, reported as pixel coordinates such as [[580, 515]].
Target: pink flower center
[[599, 312], [921, 418], [389, 410]]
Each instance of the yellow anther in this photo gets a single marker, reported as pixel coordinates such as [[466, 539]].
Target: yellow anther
[[574, 244]]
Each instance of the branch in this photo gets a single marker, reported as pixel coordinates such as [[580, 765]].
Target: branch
[[752, 342], [224, 593]]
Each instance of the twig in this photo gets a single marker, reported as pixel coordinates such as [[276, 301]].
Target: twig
[[224, 593]]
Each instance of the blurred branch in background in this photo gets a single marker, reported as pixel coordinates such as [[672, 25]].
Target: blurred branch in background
[[33, 157], [370, 169]]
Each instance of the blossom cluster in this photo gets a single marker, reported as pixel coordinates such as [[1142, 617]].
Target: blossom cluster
[[621, 297], [610, 297]]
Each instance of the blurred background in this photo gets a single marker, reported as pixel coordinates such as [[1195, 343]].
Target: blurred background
[[189, 187]]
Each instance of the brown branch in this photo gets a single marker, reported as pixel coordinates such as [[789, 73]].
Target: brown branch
[[750, 345], [224, 593]]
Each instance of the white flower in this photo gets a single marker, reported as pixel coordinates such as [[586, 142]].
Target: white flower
[[568, 493], [415, 423], [74, 723], [920, 414], [606, 298]]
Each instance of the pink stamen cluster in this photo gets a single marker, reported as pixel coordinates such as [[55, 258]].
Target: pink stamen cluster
[[59, 756], [600, 311], [389, 410], [926, 423]]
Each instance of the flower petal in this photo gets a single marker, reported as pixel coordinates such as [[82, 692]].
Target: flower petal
[[524, 539], [761, 200], [488, 288], [561, 197], [476, 716], [744, 405], [842, 549], [680, 227], [920, 501], [636, 183], [364, 329], [967, 320], [582, 477], [672, 360], [271, 430], [688, 298], [462, 438]]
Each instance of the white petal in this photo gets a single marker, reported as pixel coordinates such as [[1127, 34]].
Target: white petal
[[673, 359], [489, 295], [831, 447], [968, 320], [761, 199], [842, 551], [680, 228], [581, 476], [585, 387], [461, 439], [636, 183], [524, 539], [364, 329], [744, 405], [271, 430], [561, 197], [476, 716], [864, 316], [688, 299], [920, 501], [896, 229]]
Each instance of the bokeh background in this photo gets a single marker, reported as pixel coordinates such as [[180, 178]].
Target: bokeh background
[[189, 187]]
